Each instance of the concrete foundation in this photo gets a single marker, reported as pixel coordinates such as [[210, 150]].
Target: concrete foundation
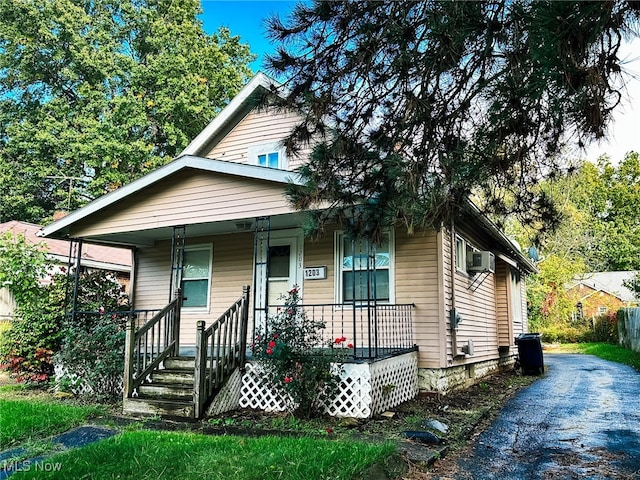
[[443, 380]]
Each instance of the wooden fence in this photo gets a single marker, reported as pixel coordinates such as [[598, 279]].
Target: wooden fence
[[629, 328]]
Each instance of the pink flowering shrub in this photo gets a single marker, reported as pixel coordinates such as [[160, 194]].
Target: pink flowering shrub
[[296, 359]]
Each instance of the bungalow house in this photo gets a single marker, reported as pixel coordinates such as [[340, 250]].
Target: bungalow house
[[216, 223], [62, 253], [601, 293]]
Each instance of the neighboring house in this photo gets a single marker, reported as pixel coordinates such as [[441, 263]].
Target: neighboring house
[[93, 257], [447, 307], [601, 293]]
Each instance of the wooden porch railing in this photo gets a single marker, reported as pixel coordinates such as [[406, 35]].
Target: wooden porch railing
[[220, 348], [153, 342]]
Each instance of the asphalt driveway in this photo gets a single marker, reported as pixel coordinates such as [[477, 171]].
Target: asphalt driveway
[[580, 421]]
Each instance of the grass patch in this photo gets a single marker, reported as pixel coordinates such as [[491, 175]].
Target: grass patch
[[13, 388], [28, 418], [606, 351], [172, 455]]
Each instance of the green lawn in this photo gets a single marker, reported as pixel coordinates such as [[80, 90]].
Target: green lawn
[[28, 418], [35, 417], [606, 351], [154, 455]]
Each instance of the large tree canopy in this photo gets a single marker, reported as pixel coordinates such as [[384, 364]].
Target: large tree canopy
[[421, 104], [600, 215], [599, 230], [103, 91]]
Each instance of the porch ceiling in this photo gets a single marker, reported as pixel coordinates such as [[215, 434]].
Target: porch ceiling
[[148, 237]]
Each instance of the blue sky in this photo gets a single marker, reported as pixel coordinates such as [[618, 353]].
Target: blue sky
[[246, 19]]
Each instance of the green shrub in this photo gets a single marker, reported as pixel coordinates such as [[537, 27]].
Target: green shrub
[[92, 344], [26, 347], [561, 333], [92, 349], [291, 351], [605, 329], [92, 356]]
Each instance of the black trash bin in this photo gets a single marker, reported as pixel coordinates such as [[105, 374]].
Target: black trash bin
[[530, 353]]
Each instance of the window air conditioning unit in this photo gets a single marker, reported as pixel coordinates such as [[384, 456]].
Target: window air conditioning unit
[[483, 262]]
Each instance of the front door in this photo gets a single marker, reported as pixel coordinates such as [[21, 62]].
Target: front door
[[285, 265]]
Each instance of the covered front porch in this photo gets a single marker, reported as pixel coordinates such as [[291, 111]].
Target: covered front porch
[[200, 229], [378, 368]]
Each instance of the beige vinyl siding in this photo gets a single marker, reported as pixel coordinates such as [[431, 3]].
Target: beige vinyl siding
[[503, 314], [317, 253], [478, 312], [153, 267], [417, 281], [232, 268], [476, 303], [257, 128], [152, 274], [191, 196]]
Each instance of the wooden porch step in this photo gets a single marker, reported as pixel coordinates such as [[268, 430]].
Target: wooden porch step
[[177, 391], [168, 392], [180, 363], [181, 376], [163, 407]]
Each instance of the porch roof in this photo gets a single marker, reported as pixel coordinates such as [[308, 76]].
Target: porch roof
[[62, 227]]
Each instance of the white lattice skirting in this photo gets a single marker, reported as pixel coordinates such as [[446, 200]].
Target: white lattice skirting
[[366, 388], [79, 386]]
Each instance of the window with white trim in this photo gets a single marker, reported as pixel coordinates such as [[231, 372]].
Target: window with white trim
[[271, 155], [196, 277], [364, 270], [464, 254]]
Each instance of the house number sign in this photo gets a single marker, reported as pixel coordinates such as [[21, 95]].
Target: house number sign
[[315, 273]]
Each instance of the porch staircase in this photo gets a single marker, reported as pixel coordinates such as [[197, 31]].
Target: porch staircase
[[160, 382], [168, 392]]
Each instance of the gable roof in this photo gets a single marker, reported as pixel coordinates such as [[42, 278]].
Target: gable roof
[[61, 227], [94, 256], [239, 105], [190, 157], [608, 282]]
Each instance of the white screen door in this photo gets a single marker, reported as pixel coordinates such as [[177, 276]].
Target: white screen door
[[284, 267]]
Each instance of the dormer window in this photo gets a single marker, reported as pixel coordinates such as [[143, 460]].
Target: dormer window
[[271, 160], [271, 155]]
